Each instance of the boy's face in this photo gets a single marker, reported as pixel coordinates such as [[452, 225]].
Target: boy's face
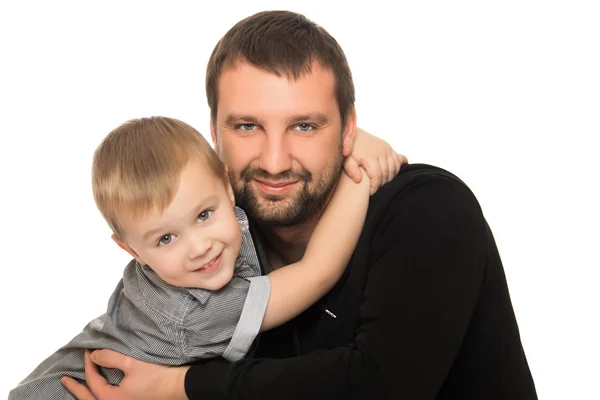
[[195, 241]]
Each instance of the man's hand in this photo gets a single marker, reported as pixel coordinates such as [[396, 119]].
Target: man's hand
[[142, 380], [376, 156]]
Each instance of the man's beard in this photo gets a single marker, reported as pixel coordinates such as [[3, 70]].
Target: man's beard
[[306, 201]]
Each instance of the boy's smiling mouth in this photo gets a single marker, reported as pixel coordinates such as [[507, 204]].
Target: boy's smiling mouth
[[211, 265]]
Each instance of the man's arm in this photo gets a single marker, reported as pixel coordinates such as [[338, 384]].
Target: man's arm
[[419, 297], [420, 294]]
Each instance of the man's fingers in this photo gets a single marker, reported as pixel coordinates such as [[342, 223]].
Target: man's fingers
[[110, 359], [96, 382], [79, 390]]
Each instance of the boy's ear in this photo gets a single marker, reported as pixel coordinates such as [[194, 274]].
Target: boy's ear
[[349, 133], [128, 249]]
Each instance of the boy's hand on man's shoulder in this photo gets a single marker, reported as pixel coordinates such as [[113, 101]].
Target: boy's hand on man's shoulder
[[376, 156]]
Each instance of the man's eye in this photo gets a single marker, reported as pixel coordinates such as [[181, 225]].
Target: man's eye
[[304, 127], [166, 239], [204, 215], [247, 127]]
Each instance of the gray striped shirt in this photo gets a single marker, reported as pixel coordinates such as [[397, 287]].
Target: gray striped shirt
[[154, 321]]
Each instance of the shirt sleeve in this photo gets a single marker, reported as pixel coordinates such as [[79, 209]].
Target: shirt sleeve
[[228, 322], [423, 282], [251, 318]]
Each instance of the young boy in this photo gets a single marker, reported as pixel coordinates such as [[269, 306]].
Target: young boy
[[194, 287]]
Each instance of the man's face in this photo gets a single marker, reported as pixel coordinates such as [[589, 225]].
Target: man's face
[[282, 141]]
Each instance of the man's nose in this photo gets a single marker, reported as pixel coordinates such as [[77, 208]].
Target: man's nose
[[275, 156]]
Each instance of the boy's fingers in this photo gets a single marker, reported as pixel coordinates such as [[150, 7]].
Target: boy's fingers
[[402, 159], [398, 162], [385, 170], [392, 171], [374, 172], [352, 169]]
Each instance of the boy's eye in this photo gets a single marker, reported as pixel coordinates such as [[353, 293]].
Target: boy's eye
[[204, 215], [166, 239]]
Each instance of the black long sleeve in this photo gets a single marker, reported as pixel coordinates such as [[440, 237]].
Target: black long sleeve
[[423, 312]]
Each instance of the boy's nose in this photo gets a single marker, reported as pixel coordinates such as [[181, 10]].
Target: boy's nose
[[199, 247]]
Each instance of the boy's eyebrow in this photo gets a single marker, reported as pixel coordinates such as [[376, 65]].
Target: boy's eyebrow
[[151, 233], [201, 206]]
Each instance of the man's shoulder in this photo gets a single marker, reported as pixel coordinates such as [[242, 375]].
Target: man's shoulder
[[426, 185], [419, 173]]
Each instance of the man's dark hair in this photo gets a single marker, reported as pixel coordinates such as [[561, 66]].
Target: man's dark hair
[[282, 43]]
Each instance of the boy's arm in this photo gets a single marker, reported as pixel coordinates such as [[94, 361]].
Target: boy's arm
[[297, 286], [376, 156]]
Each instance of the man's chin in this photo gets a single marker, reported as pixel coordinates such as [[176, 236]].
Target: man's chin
[[275, 213], [292, 208]]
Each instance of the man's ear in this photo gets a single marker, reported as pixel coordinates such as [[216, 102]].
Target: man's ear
[[230, 189], [213, 136], [128, 249], [349, 133]]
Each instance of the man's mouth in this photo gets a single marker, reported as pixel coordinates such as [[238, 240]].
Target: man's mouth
[[275, 187]]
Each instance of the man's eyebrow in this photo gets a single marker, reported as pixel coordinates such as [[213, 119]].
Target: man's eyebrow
[[316, 117], [232, 119]]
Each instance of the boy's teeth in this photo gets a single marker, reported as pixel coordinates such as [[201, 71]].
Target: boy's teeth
[[209, 264]]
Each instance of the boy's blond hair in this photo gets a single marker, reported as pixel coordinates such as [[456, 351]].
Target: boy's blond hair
[[136, 168]]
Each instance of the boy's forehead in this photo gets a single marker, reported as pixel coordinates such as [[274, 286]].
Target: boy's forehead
[[197, 186]]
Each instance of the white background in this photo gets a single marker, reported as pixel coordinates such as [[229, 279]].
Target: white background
[[505, 95]]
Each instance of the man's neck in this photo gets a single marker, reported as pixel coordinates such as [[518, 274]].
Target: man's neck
[[286, 245]]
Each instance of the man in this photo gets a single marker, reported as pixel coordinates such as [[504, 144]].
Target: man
[[422, 311]]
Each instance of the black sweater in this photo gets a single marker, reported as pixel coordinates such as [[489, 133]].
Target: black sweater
[[422, 312]]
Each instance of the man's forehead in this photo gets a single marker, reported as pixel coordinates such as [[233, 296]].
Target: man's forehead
[[248, 77], [292, 74], [250, 90]]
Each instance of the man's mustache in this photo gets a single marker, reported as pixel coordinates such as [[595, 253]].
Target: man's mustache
[[250, 173]]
